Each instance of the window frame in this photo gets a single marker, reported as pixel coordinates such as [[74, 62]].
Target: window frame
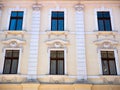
[[103, 9], [57, 59], [16, 18], [103, 20], [50, 14], [57, 19], [108, 60], [9, 15], [11, 59], [3, 59]]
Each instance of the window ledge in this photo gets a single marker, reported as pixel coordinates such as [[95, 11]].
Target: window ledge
[[106, 32], [15, 32], [49, 32]]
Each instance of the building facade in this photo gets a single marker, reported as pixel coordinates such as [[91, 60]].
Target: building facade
[[59, 45]]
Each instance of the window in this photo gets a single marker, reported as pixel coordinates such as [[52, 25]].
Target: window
[[57, 62], [11, 62], [16, 20], [104, 22], [108, 63], [57, 21]]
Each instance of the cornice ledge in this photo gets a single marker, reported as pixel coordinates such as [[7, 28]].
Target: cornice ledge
[[51, 41], [18, 41], [101, 41]]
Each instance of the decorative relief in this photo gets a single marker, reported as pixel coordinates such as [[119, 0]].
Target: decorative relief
[[56, 80], [36, 7], [79, 7], [13, 42], [106, 44], [57, 43]]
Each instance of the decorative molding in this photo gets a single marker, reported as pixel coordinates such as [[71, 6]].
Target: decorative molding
[[57, 42], [36, 7], [79, 7]]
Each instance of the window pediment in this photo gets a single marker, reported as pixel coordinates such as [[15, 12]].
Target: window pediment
[[57, 42], [13, 42]]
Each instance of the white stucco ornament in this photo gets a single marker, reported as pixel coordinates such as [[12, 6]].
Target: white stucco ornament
[[79, 7], [13, 44]]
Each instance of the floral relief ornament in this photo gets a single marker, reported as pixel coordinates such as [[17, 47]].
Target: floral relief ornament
[[79, 7]]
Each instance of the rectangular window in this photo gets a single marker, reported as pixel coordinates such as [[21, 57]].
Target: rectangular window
[[57, 21], [108, 63], [11, 62], [57, 62], [104, 21], [16, 20]]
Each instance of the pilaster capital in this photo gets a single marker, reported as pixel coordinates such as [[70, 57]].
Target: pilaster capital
[[79, 7], [36, 7]]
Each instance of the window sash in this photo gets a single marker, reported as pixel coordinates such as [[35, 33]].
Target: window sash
[[104, 21], [16, 20], [57, 21], [108, 67], [11, 62], [57, 63]]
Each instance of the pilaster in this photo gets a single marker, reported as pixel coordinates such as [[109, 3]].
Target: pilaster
[[80, 42]]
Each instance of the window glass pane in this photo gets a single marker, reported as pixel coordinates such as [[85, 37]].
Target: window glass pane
[[60, 54], [14, 66], [99, 14], [19, 24], [100, 25], [8, 53], [61, 14], [107, 25], [53, 67], [105, 67], [54, 14], [103, 54], [60, 25], [60, 67], [16, 53], [54, 25], [112, 67], [106, 14], [12, 24], [53, 54], [110, 54], [20, 14], [7, 66], [14, 14]]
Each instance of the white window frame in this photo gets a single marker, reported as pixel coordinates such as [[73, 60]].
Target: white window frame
[[65, 59], [3, 60], [50, 14], [103, 9], [116, 60], [9, 15]]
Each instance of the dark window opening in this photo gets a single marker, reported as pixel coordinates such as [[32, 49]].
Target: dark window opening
[[16, 20], [104, 21], [57, 21], [57, 62], [108, 63], [11, 62]]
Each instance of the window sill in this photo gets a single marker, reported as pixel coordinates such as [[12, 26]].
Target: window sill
[[105, 32], [14, 32], [49, 32]]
